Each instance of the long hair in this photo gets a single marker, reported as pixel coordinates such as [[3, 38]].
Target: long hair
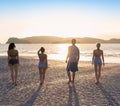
[[11, 46]]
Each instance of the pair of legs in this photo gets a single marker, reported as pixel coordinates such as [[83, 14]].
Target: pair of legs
[[69, 76], [97, 68], [14, 73], [42, 72]]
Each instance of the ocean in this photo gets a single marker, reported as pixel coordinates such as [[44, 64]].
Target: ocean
[[59, 51]]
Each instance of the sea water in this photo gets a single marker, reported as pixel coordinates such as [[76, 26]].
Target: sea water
[[59, 51]]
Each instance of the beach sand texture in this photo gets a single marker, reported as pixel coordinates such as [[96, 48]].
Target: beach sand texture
[[56, 91]]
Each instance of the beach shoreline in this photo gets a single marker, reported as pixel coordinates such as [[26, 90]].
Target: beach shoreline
[[56, 91]]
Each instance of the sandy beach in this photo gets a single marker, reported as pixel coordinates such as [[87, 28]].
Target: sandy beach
[[56, 91]]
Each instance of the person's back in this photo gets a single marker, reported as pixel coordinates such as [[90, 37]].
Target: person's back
[[13, 62], [97, 61], [73, 53], [72, 60], [42, 57], [98, 53], [13, 53], [42, 65]]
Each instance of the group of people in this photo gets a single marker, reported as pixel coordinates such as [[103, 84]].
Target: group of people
[[72, 61]]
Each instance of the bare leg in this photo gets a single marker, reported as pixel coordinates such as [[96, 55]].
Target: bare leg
[[12, 73], [40, 73], [99, 72], [16, 73], [44, 71], [69, 76], [41, 76], [96, 74], [73, 76]]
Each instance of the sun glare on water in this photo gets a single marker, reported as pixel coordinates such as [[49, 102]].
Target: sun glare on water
[[63, 49], [62, 52]]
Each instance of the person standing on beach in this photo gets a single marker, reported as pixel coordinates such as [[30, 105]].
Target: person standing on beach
[[13, 62], [72, 60], [97, 61], [43, 64]]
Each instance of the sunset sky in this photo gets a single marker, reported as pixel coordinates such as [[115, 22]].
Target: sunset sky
[[65, 18]]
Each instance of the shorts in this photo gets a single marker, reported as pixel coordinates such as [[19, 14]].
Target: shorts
[[42, 65], [97, 61], [72, 66], [13, 61]]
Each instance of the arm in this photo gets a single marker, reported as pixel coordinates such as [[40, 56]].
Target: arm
[[46, 61], [18, 56], [93, 57], [38, 52], [103, 58], [8, 57], [67, 54], [78, 55]]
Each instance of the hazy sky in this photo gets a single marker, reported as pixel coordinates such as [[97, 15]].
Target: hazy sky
[[65, 18]]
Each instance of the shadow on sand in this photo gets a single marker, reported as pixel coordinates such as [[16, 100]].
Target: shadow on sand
[[110, 99], [8, 89], [33, 97], [73, 93]]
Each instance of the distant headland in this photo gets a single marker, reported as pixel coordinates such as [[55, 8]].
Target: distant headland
[[57, 40]]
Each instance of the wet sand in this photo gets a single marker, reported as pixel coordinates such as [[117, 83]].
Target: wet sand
[[56, 91]]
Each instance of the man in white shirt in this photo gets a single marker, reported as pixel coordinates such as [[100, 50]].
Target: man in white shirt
[[72, 60]]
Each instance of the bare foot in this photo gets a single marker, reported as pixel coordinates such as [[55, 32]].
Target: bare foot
[[41, 83], [97, 82], [69, 82], [15, 84], [73, 82]]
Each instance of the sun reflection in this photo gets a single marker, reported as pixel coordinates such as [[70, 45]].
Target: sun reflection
[[63, 49]]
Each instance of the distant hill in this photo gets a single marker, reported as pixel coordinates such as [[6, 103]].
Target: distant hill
[[17, 40], [44, 39], [114, 40], [53, 39], [90, 40]]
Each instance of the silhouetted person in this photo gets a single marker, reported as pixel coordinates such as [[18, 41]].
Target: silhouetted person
[[43, 64], [97, 61], [72, 60], [13, 62]]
